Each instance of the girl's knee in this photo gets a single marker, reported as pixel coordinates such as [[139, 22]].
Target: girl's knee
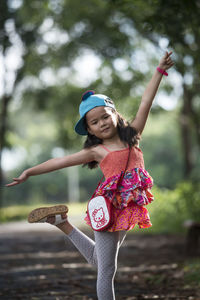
[[107, 270]]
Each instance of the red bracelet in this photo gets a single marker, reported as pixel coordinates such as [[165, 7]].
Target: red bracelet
[[162, 71]]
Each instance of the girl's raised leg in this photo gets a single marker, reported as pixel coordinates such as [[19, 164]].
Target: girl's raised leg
[[103, 253], [82, 242]]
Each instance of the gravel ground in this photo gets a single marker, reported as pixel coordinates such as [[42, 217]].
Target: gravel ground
[[36, 263]]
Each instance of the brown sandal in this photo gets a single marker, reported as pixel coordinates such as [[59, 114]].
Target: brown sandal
[[38, 214]]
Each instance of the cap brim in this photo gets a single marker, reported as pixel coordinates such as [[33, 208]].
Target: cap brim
[[80, 127]]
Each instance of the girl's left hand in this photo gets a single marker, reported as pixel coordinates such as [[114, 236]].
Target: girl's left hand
[[166, 62], [23, 177]]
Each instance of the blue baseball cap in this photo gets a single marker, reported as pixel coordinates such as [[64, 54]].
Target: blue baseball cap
[[89, 101]]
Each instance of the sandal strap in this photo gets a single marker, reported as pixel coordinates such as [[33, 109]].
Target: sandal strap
[[59, 220]]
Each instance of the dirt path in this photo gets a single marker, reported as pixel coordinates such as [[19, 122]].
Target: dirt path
[[38, 264]]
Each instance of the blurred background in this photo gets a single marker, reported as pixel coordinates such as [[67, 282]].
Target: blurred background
[[52, 51]]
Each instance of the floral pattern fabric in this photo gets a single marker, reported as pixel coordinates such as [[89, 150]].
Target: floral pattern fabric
[[127, 218], [135, 186], [128, 202]]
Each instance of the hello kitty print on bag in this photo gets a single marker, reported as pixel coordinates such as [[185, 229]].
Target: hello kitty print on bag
[[99, 213], [99, 217]]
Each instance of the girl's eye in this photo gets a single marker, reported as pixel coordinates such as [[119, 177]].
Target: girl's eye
[[106, 117]]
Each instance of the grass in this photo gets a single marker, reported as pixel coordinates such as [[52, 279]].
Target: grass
[[20, 212], [192, 272]]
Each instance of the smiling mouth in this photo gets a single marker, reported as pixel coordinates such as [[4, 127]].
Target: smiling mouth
[[105, 130]]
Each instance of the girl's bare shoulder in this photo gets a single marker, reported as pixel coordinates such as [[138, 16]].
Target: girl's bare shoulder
[[98, 152]]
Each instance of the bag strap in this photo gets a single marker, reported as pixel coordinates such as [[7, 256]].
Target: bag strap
[[123, 172]]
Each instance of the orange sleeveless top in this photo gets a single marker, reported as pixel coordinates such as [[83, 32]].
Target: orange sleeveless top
[[115, 161]]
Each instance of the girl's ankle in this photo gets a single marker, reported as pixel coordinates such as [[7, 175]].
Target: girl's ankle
[[66, 227]]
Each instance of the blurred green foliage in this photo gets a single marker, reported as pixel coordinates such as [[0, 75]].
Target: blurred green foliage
[[127, 38], [20, 212], [192, 272], [171, 208]]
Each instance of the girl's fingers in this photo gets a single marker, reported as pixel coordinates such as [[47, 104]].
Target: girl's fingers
[[168, 66], [168, 54], [15, 182], [18, 180], [11, 184], [169, 62], [166, 60], [169, 59]]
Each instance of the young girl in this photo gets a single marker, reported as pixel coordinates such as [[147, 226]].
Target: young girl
[[109, 138]]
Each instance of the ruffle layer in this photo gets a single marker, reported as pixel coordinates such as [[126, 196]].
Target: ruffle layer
[[135, 186], [127, 218]]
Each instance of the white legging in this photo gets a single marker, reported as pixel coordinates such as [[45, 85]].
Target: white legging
[[103, 254]]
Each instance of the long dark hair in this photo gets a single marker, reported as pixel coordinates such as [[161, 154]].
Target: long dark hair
[[127, 134]]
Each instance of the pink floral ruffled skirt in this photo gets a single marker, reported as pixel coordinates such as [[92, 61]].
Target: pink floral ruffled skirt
[[128, 217], [129, 199]]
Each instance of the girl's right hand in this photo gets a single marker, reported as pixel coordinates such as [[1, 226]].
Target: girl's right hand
[[166, 61], [23, 177]]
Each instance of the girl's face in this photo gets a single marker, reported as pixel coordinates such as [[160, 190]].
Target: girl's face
[[102, 122]]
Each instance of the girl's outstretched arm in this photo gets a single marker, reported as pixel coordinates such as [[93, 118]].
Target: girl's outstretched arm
[[141, 117], [82, 157]]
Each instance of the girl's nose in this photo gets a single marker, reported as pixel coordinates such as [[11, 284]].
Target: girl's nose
[[102, 123]]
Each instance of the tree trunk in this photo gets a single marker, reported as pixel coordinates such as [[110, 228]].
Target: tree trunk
[[3, 127], [186, 131]]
